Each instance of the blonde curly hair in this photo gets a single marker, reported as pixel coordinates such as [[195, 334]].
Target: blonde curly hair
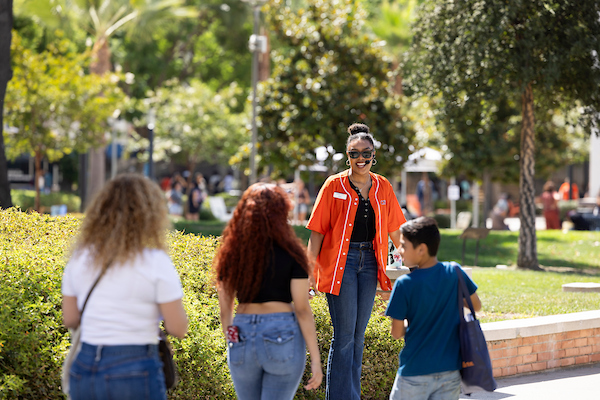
[[128, 215]]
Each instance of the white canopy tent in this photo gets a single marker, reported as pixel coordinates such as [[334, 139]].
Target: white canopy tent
[[422, 160]]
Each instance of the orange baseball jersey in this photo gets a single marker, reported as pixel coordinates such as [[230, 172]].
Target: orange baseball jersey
[[333, 216]]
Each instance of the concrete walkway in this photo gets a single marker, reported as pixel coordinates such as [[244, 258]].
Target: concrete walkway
[[582, 383]]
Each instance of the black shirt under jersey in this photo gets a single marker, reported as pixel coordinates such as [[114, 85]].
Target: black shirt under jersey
[[364, 222], [280, 269]]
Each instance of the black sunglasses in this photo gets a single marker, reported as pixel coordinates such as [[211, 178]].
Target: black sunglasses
[[365, 153]]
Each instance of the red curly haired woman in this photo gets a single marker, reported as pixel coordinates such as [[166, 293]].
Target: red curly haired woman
[[263, 264]]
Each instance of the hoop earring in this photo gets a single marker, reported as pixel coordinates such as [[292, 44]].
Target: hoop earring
[[374, 161], [347, 162]]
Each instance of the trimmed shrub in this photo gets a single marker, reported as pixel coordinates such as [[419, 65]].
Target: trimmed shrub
[[25, 199], [33, 342]]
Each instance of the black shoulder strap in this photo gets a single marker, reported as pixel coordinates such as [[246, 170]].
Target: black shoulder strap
[[91, 290]]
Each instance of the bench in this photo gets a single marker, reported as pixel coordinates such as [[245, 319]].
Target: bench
[[473, 233]]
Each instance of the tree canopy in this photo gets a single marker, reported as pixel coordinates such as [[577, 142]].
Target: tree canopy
[[485, 50], [54, 107], [328, 73], [195, 123]]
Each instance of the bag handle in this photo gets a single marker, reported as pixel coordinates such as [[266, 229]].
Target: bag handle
[[463, 293]]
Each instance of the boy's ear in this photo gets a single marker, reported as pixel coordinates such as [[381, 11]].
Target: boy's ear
[[422, 249]]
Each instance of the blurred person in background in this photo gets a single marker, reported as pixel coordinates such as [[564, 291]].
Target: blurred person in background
[[175, 198], [263, 264], [550, 206], [565, 188], [196, 196], [498, 213], [303, 201], [121, 254]]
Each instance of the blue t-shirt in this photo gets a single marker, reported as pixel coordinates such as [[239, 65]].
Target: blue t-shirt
[[428, 299]]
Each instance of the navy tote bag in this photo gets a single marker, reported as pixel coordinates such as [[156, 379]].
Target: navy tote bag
[[476, 371]]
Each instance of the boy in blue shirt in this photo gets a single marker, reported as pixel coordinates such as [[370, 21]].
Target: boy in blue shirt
[[424, 309]]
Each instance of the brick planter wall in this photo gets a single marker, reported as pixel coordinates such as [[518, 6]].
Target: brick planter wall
[[537, 344]]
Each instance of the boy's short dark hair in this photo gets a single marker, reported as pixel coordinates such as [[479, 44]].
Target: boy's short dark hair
[[422, 230]]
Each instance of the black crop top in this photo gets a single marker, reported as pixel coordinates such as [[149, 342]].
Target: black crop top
[[281, 268]]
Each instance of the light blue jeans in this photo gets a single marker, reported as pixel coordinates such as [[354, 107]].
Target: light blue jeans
[[350, 313], [130, 372], [440, 386], [268, 361]]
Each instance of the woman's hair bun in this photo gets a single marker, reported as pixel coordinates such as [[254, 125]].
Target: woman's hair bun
[[358, 128]]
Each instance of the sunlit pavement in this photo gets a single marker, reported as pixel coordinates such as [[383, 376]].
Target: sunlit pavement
[[582, 383]]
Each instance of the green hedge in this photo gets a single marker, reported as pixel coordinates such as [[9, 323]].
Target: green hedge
[[33, 342], [24, 199]]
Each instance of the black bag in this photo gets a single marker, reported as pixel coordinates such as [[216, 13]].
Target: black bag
[[166, 356], [476, 372]]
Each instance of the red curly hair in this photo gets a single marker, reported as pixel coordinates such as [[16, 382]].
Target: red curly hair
[[259, 220]]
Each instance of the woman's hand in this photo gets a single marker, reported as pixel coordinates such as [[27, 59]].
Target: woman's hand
[[317, 375]]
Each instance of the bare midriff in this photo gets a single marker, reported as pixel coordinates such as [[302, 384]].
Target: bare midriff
[[269, 307]]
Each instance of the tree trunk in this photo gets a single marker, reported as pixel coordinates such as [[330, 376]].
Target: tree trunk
[[527, 238], [6, 23], [487, 193], [96, 157], [36, 180]]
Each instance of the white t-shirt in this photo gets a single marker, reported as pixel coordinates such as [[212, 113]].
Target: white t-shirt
[[123, 308]]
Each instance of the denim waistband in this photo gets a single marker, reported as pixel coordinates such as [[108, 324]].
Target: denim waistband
[[258, 318], [129, 349], [361, 245]]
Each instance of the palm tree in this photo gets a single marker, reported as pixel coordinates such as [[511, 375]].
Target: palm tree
[[101, 19]]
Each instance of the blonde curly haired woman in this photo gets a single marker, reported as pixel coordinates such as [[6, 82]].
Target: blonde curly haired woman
[[121, 246]]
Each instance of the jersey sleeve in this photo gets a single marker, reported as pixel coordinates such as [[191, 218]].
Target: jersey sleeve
[[320, 218], [395, 214], [168, 285], [398, 305]]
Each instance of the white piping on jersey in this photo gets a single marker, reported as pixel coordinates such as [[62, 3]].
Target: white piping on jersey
[[343, 234]]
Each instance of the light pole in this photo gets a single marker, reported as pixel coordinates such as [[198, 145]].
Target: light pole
[[151, 120], [257, 43]]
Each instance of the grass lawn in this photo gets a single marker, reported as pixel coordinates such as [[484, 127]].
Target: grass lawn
[[579, 250], [568, 257], [513, 294]]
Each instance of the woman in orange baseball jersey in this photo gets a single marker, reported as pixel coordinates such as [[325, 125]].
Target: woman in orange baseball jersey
[[353, 215]]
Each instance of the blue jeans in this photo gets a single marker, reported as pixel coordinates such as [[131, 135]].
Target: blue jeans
[[117, 372], [350, 313], [439, 386], [268, 361]]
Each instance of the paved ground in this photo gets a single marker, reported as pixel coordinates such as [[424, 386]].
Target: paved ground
[[567, 384]]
